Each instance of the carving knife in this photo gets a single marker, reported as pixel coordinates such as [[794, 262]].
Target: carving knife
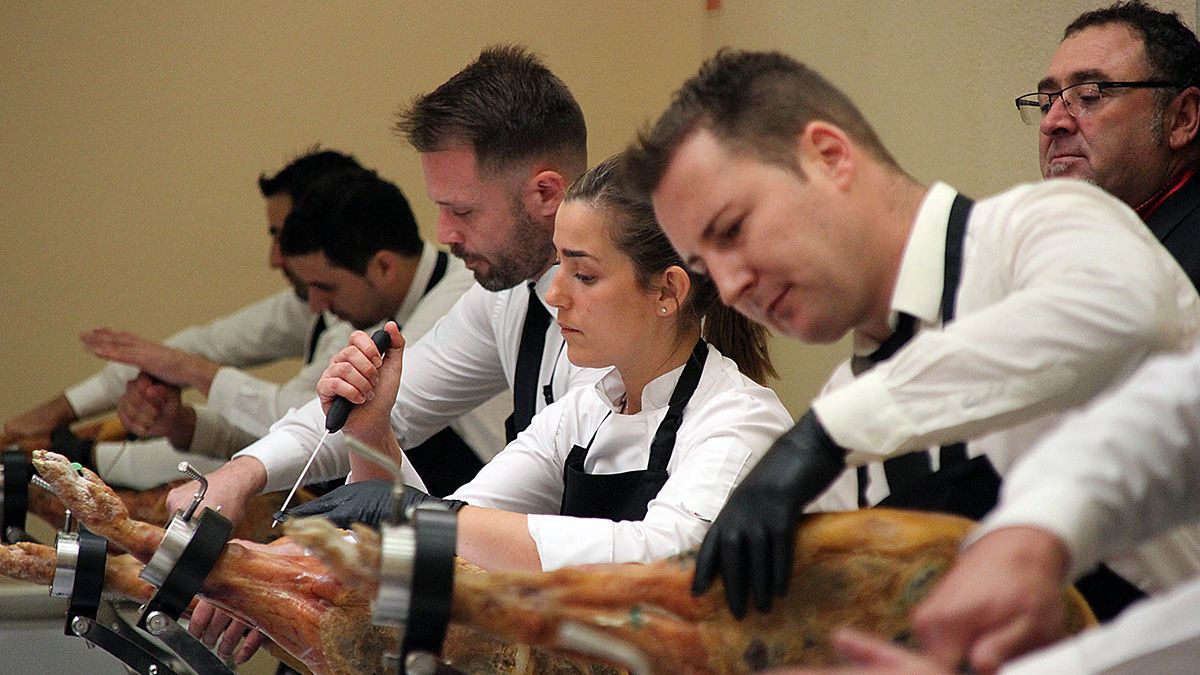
[[338, 413]]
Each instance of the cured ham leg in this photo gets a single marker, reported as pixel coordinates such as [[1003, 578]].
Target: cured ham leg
[[35, 563], [866, 569], [292, 598]]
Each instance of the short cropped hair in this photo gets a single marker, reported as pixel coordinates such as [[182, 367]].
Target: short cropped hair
[[299, 173], [508, 106], [350, 216], [1172, 51], [756, 103]]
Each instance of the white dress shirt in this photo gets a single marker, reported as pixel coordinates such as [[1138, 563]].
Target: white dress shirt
[[1159, 636], [727, 425], [468, 358], [1125, 470], [1064, 292], [276, 327], [241, 408]]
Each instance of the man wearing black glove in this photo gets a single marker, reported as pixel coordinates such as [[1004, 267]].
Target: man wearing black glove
[[368, 501], [976, 326]]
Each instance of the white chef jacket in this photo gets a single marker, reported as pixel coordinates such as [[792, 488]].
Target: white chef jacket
[[1124, 470], [1064, 292], [469, 357], [727, 425], [277, 327]]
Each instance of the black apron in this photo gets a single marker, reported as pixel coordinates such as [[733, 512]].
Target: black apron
[[970, 487], [627, 495], [967, 487]]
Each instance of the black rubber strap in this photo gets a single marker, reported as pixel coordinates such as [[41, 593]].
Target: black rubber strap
[[195, 562], [89, 578], [433, 581], [17, 472]]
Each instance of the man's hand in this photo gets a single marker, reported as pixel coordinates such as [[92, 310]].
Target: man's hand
[[873, 656], [361, 375], [1002, 598], [751, 542], [210, 625], [39, 421], [229, 487], [151, 408], [167, 364]]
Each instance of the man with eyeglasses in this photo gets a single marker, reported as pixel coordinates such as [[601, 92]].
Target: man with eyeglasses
[[1119, 107]]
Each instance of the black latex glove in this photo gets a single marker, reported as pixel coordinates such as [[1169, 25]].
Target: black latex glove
[[367, 501], [751, 542]]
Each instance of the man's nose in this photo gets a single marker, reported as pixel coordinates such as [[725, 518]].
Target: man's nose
[[732, 279], [1058, 117], [447, 231]]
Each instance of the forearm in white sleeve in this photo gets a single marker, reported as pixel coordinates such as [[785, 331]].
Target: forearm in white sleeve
[[214, 436], [1117, 473], [1088, 303], [285, 450], [1159, 635], [100, 392]]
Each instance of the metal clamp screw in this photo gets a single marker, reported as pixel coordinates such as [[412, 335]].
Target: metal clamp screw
[[199, 496]]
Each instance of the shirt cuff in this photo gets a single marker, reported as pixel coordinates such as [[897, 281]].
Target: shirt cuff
[[563, 541], [214, 436], [95, 395], [862, 418], [1063, 513]]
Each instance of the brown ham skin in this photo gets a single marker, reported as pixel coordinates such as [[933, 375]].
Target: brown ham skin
[[293, 599], [866, 569], [35, 563]]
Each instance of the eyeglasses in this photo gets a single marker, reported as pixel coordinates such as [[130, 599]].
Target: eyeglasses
[[1081, 99]]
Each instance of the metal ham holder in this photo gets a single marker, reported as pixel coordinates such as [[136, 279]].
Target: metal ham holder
[[81, 560], [189, 549], [416, 586], [15, 473]]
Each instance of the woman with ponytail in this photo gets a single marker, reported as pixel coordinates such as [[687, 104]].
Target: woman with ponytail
[[635, 467]]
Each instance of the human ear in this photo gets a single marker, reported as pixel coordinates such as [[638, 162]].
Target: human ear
[[1185, 118], [543, 192], [673, 289], [826, 149]]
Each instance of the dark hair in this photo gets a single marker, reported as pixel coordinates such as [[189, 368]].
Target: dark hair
[[508, 106], [350, 216], [295, 178], [754, 102], [636, 233], [1172, 51]]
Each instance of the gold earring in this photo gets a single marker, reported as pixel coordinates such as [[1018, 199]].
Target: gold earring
[[662, 310]]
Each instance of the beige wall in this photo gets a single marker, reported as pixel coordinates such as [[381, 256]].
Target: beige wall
[[132, 133]]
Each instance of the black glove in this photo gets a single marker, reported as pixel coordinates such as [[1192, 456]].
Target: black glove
[[367, 501], [751, 542]]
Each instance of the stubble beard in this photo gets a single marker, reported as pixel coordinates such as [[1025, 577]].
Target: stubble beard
[[524, 258]]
